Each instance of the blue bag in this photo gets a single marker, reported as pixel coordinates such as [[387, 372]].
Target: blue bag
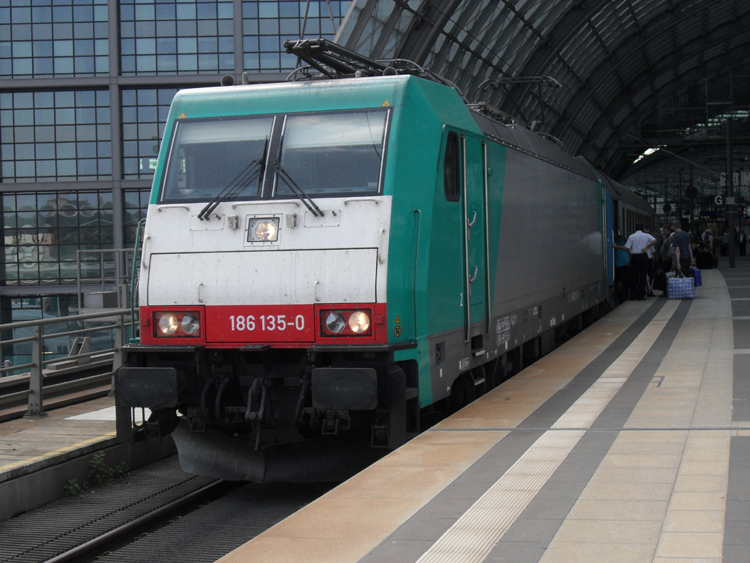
[[680, 288], [697, 276]]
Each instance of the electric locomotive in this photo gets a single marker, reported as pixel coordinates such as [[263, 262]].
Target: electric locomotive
[[337, 257]]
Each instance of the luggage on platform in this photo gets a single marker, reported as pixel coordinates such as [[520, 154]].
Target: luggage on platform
[[680, 288], [704, 260], [660, 280], [696, 276]]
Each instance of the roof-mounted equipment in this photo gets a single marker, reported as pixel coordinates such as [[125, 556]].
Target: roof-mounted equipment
[[331, 60]]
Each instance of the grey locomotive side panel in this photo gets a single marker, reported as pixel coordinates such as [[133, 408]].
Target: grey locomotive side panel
[[550, 233], [549, 266]]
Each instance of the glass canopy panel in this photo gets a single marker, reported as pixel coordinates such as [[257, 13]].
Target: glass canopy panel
[[375, 24], [613, 58]]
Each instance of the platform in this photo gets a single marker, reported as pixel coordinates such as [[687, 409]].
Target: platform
[[26, 442], [629, 443], [38, 456]]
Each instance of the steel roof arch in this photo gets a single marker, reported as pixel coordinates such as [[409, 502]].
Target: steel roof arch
[[614, 57]]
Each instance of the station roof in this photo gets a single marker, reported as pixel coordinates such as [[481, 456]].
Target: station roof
[[616, 62]]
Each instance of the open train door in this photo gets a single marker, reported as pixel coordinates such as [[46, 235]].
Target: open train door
[[477, 302]]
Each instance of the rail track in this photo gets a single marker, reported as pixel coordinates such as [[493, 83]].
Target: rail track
[[158, 513]]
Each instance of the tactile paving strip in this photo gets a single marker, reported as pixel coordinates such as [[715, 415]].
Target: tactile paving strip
[[477, 531]]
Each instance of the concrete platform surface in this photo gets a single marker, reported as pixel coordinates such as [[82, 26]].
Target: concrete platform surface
[[27, 441], [629, 443], [39, 456]]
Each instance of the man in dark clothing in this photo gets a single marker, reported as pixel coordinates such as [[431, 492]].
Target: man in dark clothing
[[741, 241], [683, 252], [666, 245], [639, 243]]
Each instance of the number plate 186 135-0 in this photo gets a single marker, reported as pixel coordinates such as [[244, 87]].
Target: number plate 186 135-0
[[260, 323]]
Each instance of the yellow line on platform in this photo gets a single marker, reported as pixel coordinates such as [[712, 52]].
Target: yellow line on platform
[[58, 451]]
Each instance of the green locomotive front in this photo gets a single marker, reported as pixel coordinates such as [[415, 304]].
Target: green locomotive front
[[337, 257]]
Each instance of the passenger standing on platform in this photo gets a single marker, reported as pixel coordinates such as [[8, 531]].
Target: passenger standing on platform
[[622, 268], [650, 250], [683, 252], [708, 241], [638, 243], [742, 241], [667, 259]]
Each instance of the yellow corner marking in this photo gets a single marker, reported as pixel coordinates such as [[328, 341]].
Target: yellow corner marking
[[398, 320], [58, 451], [182, 116], [386, 104]]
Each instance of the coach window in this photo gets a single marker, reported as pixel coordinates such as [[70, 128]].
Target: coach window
[[452, 169]]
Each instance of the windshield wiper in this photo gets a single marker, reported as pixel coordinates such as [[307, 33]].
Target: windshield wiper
[[299, 192], [254, 170], [243, 179]]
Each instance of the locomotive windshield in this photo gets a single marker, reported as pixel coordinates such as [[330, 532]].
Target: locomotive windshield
[[209, 157], [319, 154], [333, 153]]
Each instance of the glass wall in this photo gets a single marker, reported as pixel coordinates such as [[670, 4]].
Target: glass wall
[[65, 152], [42, 233], [177, 36], [267, 24], [43, 38], [135, 205], [144, 115], [59, 136]]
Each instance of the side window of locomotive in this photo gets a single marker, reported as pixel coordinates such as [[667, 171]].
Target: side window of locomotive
[[333, 153], [210, 156], [452, 169]]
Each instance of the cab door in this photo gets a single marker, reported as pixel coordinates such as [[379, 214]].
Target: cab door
[[477, 301]]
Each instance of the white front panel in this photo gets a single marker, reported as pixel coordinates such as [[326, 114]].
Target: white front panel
[[263, 278], [202, 262]]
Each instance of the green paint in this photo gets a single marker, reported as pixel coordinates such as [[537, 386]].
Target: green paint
[[426, 277]]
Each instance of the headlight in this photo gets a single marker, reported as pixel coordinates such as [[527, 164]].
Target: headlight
[[335, 322], [345, 322], [168, 324], [264, 229], [359, 322], [177, 324], [190, 324]]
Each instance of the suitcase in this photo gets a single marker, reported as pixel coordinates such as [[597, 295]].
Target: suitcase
[[660, 280], [704, 260], [697, 276], [680, 288]]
